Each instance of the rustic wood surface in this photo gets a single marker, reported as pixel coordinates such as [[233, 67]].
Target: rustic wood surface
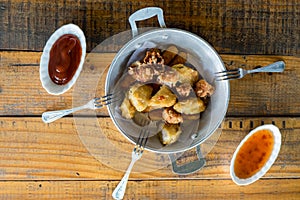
[[50, 161]]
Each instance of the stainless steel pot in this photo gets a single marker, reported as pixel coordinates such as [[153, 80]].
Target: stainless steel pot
[[202, 56]]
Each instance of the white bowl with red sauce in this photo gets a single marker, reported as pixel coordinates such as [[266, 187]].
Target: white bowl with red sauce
[[62, 59], [255, 154]]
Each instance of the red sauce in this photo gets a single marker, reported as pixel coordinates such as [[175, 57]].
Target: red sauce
[[254, 153], [64, 60]]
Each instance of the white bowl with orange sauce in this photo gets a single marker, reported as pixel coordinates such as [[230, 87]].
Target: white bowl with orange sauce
[[255, 154]]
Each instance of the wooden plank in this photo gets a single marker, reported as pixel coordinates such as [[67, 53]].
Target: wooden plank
[[21, 89], [164, 189], [244, 27], [30, 149], [22, 94]]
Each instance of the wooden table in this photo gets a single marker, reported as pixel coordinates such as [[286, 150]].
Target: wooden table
[[49, 161]]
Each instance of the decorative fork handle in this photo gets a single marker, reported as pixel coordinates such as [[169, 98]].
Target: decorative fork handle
[[51, 116], [119, 191], [274, 67]]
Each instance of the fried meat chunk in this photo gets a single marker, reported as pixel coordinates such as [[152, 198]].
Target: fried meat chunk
[[203, 89], [171, 116]]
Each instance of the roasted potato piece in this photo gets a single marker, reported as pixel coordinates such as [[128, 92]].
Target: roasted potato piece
[[179, 59], [186, 74], [139, 96], [190, 106], [127, 109], [169, 54], [163, 98], [169, 133]]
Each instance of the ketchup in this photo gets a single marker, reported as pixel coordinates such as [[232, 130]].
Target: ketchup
[[64, 59]]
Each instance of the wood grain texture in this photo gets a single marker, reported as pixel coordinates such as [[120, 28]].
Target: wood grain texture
[[32, 150], [261, 94], [243, 27], [165, 189]]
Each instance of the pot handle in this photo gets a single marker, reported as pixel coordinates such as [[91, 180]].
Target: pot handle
[[190, 167], [146, 13]]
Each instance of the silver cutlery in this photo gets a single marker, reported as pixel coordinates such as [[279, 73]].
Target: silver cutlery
[[136, 154], [240, 73], [95, 103]]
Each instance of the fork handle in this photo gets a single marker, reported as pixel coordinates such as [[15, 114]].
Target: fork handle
[[274, 67], [51, 116], [119, 191]]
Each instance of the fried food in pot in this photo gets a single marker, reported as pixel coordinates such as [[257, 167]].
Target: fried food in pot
[[163, 98], [127, 109], [139, 96], [171, 116], [186, 74], [203, 89], [190, 106], [169, 133]]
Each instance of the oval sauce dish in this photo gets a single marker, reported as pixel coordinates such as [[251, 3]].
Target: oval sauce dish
[[255, 154], [62, 59]]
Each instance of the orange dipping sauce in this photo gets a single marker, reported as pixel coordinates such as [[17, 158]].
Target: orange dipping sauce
[[65, 56], [254, 154]]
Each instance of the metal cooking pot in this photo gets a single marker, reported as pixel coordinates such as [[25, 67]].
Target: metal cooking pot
[[202, 56]]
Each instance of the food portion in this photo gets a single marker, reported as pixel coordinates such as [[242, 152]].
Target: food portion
[[169, 133], [166, 88]]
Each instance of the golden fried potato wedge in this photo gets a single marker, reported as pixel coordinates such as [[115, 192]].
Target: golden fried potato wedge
[[163, 98], [127, 109], [169, 54], [169, 133], [139, 96], [179, 59], [186, 74], [190, 106]]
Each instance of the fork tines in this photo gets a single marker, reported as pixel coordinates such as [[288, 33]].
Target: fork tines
[[228, 74], [106, 100], [141, 142]]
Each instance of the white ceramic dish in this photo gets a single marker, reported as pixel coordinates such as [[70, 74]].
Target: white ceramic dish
[[275, 151], [46, 81]]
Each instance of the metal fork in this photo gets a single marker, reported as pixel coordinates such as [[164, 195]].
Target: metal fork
[[136, 154], [95, 103], [240, 73]]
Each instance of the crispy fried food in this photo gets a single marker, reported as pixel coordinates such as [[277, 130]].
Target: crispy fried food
[[169, 54], [184, 89], [163, 98], [179, 59], [127, 109], [190, 106], [153, 57], [170, 77], [171, 116], [139, 96], [186, 74], [204, 89], [169, 133]]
